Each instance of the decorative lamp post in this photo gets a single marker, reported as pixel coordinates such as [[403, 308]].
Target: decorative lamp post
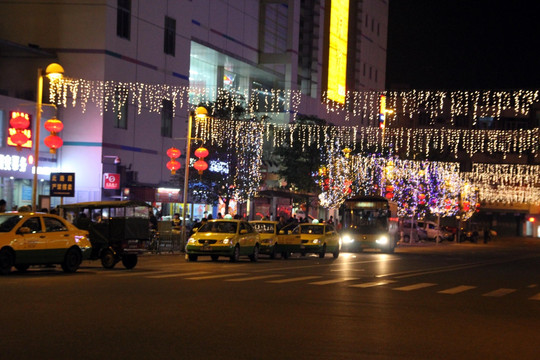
[[53, 72], [201, 113]]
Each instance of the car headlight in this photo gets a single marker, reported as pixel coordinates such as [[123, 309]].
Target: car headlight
[[382, 240], [226, 241], [346, 239], [192, 241], [316, 241]]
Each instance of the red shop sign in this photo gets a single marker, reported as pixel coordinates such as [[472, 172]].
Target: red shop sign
[[111, 181]]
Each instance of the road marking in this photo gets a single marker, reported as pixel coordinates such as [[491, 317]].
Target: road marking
[[499, 292], [254, 278], [457, 289], [293, 279], [334, 281], [318, 265], [415, 286], [532, 286], [535, 297], [373, 283], [214, 276], [133, 273], [176, 275]]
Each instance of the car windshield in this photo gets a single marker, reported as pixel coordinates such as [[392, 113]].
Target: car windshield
[[264, 228], [8, 222], [312, 229], [225, 227]]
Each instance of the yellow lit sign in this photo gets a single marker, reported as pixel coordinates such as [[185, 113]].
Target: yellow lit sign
[[382, 112], [337, 52]]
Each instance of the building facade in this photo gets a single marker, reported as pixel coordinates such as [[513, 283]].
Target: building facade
[[211, 45]]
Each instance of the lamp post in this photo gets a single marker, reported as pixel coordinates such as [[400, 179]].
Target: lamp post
[[53, 71], [200, 112]]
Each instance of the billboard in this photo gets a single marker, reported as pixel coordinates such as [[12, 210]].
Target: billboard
[[337, 51]]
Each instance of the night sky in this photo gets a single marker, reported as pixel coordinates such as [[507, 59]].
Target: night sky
[[463, 44]]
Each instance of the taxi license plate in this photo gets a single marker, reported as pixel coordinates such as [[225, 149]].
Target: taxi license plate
[[206, 248]]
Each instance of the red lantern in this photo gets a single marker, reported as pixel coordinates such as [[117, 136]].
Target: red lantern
[[19, 123], [389, 195], [173, 153], [173, 165], [201, 152], [54, 125], [54, 142], [200, 165], [19, 139]]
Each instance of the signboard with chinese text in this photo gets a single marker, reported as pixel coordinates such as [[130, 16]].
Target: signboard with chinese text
[[111, 181], [337, 51], [63, 184]]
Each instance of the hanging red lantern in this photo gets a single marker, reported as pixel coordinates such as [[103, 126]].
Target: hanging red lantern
[[19, 123], [54, 142], [54, 125], [173, 153], [173, 165], [201, 152], [19, 139], [200, 166], [389, 195]]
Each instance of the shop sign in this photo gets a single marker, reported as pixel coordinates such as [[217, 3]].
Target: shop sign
[[111, 181], [13, 163], [63, 184], [27, 132]]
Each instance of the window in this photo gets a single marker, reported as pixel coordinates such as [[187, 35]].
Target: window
[[123, 19], [120, 109], [33, 224], [170, 35], [52, 224], [166, 118]]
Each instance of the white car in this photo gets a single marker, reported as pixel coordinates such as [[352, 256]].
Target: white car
[[433, 231]]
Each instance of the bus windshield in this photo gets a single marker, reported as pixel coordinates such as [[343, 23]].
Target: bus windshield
[[366, 215]]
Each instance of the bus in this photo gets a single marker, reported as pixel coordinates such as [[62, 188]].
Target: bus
[[369, 222]]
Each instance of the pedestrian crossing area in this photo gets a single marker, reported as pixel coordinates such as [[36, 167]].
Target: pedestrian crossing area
[[317, 280]]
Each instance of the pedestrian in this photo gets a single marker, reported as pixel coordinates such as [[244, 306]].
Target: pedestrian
[[487, 235], [153, 221], [331, 220], [219, 216], [2, 205], [176, 222]]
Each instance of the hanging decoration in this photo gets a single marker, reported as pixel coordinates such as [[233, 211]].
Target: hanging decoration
[[19, 123], [200, 164], [173, 165]]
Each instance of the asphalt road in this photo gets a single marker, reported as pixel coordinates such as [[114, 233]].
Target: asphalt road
[[458, 301]]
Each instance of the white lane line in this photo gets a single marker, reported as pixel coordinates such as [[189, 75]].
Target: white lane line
[[214, 276], [134, 273], [334, 281], [532, 286], [373, 283], [535, 297], [293, 279], [499, 292], [457, 289], [176, 275], [254, 278], [415, 286]]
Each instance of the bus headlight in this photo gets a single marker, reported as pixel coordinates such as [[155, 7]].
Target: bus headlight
[[346, 239], [383, 240]]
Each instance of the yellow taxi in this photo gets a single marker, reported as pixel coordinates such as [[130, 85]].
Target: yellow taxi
[[268, 231], [40, 239], [317, 238], [223, 237]]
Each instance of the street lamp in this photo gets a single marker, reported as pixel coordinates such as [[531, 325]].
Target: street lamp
[[201, 113], [53, 72]]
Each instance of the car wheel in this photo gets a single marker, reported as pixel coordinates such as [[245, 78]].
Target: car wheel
[[255, 256], [335, 254], [129, 260], [236, 254], [7, 258], [22, 267], [72, 260], [214, 257], [192, 257], [390, 250], [323, 251], [108, 260]]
